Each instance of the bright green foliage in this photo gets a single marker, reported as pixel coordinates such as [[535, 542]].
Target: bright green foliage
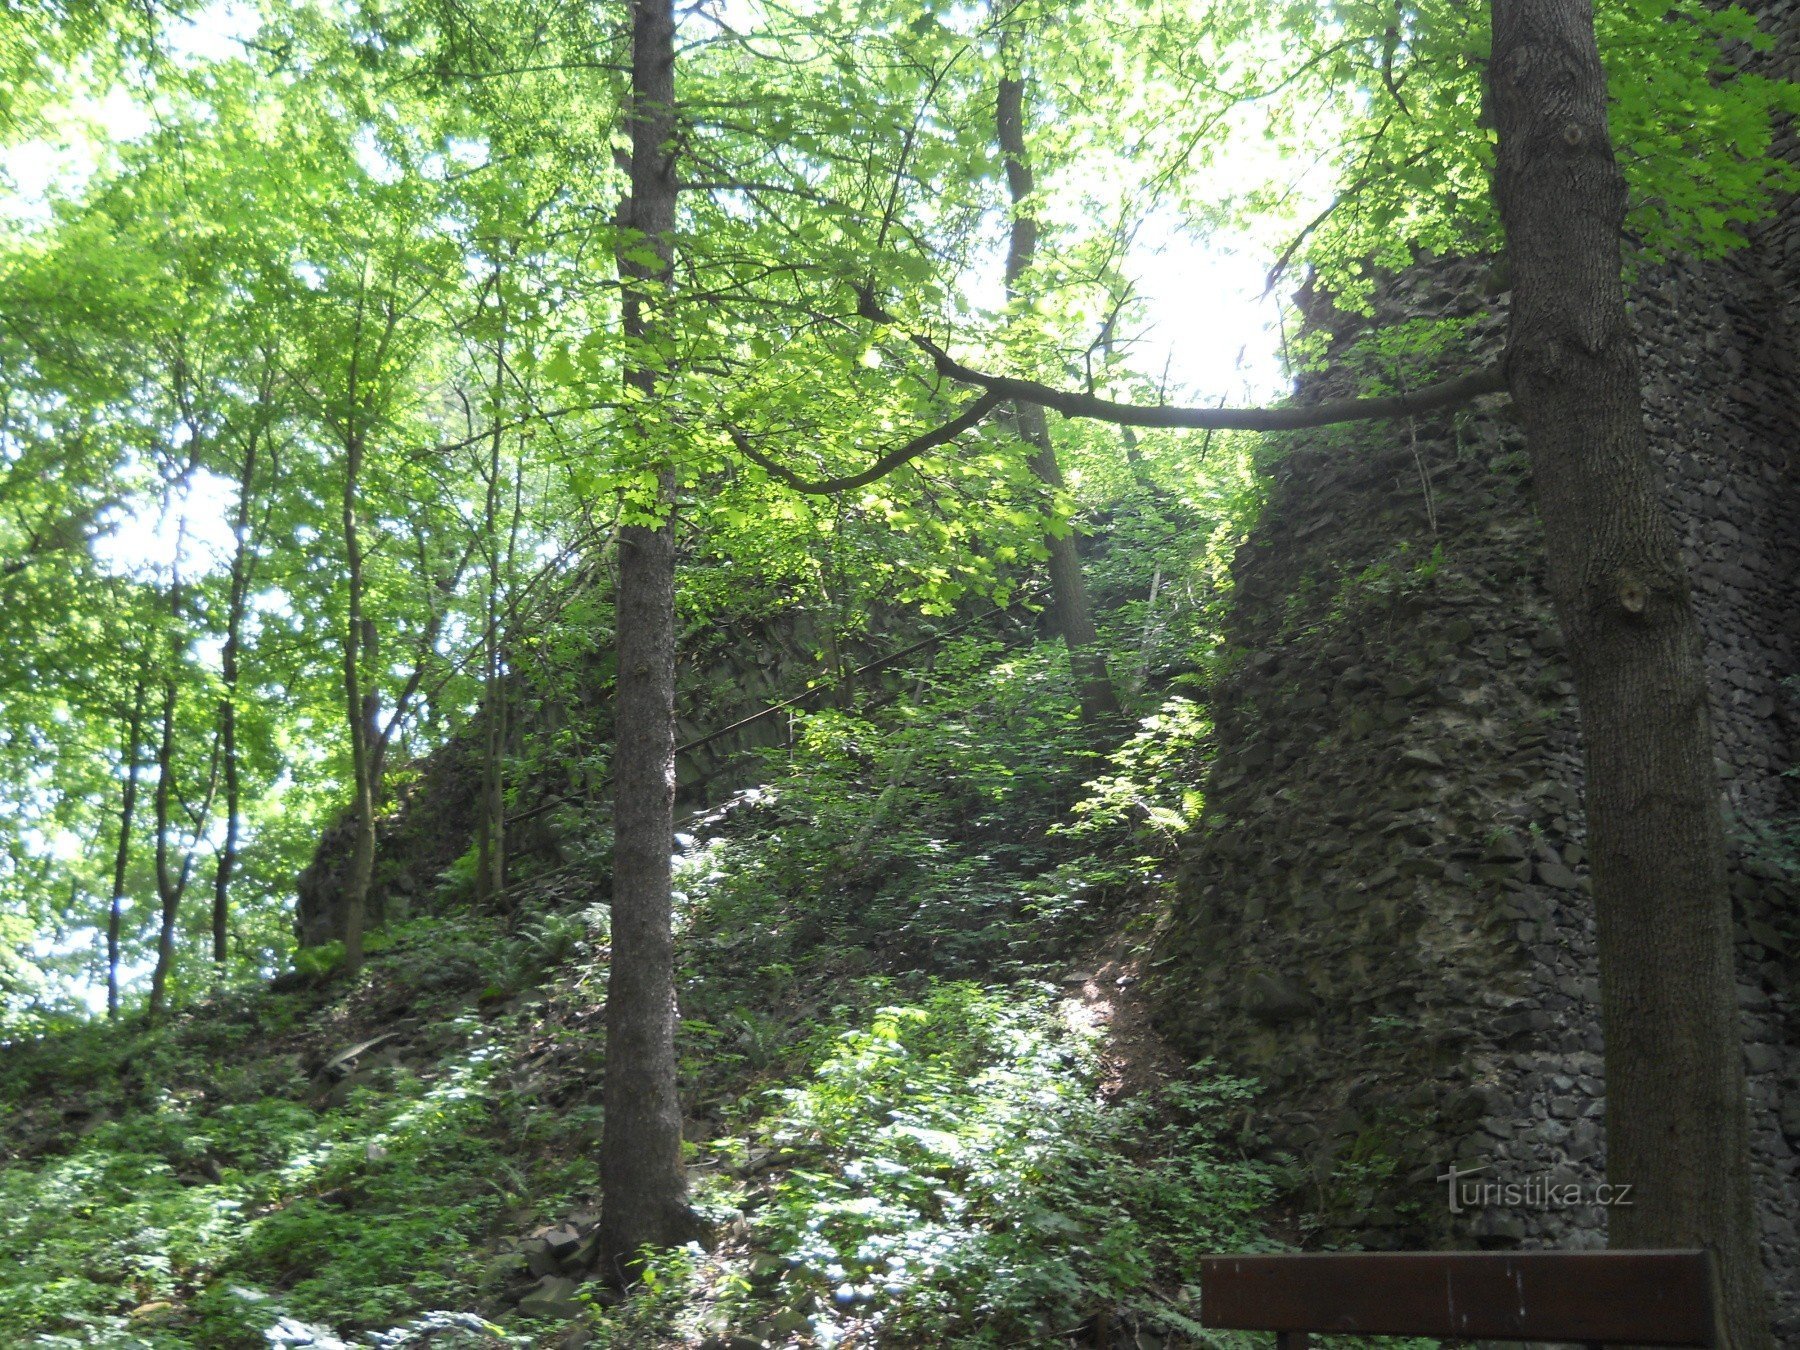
[[905, 1138], [365, 1213], [1149, 786], [393, 228], [951, 1177], [1690, 126], [225, 1196], [198, 342], [908, 832], [44, 43]]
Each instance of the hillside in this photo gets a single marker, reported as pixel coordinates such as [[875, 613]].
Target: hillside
[[861, 673], [923, 1102]]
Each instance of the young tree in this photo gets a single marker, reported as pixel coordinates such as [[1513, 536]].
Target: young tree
[[864, 174], [172, 875], [362, 699], [490, 829], [243, 561], [130, 748], [1072, 612]]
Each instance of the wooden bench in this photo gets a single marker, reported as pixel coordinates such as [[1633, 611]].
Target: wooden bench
[[1597, 1298]]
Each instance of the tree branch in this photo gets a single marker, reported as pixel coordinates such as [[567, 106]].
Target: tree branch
[[894, 458], [1448, 394]]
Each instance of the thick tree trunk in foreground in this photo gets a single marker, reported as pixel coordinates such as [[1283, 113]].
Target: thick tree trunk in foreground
[[1677, 1129], [642, 1181], [1070, 610], [643, 1186]]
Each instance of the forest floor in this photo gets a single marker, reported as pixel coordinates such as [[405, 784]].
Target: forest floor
[[1133, 1056], [927, 1104]]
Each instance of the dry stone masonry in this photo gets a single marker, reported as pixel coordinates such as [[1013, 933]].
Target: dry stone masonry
[[1386, 916]]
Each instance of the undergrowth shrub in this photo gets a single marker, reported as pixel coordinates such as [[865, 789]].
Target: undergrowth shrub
[[196, 1220], [953, 1179], [1149, 793]]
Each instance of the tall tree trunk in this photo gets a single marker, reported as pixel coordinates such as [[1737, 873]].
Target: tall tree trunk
[[1070, 610], [1676, 1125], [642, 1183], [228, 672], [360, 706], [491, 832], [168, 886], [228, 851], [358, 633], [134, 729]]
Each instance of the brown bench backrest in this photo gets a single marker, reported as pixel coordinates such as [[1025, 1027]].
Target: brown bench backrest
[[1602, 1297]]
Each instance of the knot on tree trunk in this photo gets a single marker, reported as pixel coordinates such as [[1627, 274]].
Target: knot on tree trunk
[[1632, 593]]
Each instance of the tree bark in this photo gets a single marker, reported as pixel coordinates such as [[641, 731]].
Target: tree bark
[[228, 673], [643, 1184], [362, 849], [168, 886], [1070, 611], [358, 633], [134, 727], [491, 832], [1676, 1124]]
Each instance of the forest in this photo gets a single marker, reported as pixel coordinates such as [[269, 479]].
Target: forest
[[656, 659]]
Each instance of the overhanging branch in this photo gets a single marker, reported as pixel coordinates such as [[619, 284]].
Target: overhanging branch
[[894, 458], [1447, 394]]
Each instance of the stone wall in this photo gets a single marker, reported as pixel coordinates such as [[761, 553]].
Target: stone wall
[[727, 673], [1386, 915], [724, 673]]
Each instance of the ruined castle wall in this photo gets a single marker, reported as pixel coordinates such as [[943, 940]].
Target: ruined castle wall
[[1386, 916]]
